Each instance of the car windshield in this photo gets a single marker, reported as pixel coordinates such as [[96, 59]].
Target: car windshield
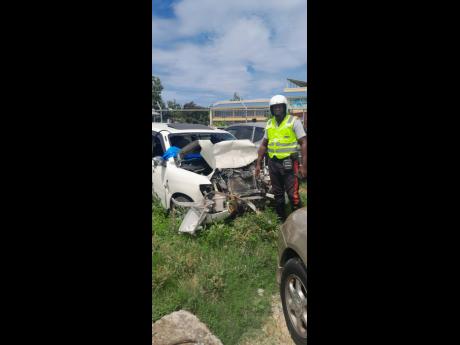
[[180, 140]]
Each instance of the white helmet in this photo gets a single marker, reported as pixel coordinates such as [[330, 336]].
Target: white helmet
[[278, 99]]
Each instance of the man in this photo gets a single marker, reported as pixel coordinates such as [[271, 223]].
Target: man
[[282, 133]]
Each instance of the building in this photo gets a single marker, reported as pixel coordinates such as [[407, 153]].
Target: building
[[296, 94], [230, 112]]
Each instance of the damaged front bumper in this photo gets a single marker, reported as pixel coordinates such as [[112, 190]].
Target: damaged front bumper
[[206, 211], [198, 213]]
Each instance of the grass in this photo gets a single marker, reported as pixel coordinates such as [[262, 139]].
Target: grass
[[217, 273]]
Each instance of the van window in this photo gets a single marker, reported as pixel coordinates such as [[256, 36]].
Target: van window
[[157, 147], [243, 132], [259, 134], [180, 140]]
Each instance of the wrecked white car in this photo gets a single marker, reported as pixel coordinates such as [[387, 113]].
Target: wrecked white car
[[211, 174]]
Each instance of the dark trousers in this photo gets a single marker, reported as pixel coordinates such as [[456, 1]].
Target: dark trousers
[[283, 180]]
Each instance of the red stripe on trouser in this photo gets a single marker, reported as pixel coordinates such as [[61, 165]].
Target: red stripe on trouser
[[295, 195]]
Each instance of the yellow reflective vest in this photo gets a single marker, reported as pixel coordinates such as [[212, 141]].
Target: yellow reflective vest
[[282, 141]]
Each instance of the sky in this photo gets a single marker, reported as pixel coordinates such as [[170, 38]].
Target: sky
[[206, 50]]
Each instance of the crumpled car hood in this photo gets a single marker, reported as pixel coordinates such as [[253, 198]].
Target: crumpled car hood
[[228, 154]]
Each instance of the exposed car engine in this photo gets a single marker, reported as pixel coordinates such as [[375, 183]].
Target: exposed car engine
[[232, 188]]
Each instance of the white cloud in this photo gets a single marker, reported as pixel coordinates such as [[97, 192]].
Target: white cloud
[[163, 31], [271, 38]]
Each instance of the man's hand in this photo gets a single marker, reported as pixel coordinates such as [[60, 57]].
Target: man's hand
[[257, 170], [303, 171], [303, 163], [260, 156]]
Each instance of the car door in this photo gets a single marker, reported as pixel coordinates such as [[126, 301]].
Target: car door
[[158, 170]]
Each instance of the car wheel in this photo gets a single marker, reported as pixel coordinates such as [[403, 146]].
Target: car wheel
[[183, 198], [177, 213], [180, 211], [293, 290]]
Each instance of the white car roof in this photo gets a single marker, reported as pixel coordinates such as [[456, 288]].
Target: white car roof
[[164, 127], [249, 124]]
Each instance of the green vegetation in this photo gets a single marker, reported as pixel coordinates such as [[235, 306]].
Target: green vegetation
[[216, 274]]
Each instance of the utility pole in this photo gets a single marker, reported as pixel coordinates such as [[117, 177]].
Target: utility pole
[[161, 112]]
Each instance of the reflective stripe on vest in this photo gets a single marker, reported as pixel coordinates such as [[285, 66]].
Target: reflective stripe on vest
[[281, 144], [281, 150]]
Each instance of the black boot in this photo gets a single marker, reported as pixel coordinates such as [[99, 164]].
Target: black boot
[[281, 211], [296, 207]]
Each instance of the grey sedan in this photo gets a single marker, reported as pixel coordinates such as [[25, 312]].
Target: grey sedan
[[292, 274]]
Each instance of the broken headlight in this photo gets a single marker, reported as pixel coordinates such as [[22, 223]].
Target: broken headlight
[[205, 188]]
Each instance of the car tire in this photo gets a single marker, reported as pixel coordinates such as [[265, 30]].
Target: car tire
[[178, 209], [183, 198], [293, 291]]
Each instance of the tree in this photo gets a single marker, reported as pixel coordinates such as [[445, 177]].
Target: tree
[[236, 97], [201, 117], [174, 116], [156, 93]]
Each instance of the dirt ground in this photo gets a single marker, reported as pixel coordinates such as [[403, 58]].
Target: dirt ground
[[274, 330]]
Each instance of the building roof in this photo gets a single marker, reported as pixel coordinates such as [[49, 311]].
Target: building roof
[[249, 103], [290, 93], [299, 83]]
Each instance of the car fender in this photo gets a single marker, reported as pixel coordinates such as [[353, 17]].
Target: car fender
[[295, 239], [184, 182]]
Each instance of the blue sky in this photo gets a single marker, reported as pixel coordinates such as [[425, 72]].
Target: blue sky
[[205, 50]]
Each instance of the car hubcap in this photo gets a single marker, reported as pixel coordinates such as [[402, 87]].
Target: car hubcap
[[296, 303]]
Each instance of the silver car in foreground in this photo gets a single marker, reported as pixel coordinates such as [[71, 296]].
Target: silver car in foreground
[[292, 274]]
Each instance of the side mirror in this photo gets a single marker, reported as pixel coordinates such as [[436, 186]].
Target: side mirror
[[158, 160]]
